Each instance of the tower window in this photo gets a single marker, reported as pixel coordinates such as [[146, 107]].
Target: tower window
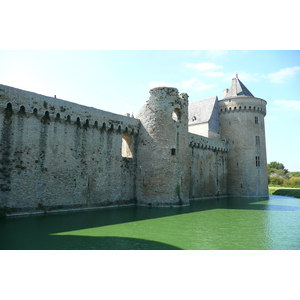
[[176, 114], [256, 120], [173, 151], [257, 140], [257, 161]]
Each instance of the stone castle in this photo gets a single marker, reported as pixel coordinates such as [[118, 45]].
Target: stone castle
[[57, 155]]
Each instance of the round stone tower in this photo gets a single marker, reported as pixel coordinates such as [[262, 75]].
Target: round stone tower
[[242, 126], [162, 149]]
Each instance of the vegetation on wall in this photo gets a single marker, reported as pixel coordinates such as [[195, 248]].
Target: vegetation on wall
[[278, 175]]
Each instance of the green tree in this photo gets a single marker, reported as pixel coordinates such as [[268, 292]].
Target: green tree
[[277, 165], [295, 174]]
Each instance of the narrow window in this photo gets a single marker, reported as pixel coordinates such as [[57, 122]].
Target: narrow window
[[127, 146], [173, 151], [257, 140], [176, 114], [256, 120], [257, 161]]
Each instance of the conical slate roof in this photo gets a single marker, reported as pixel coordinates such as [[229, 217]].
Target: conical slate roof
[[237, 89]]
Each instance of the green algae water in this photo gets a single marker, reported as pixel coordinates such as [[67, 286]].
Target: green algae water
[[216, 224]]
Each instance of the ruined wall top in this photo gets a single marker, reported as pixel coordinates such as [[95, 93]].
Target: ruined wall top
[[163, 92]]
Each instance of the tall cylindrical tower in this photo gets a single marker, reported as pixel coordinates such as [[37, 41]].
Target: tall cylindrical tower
[[242, 126], [162, 152]]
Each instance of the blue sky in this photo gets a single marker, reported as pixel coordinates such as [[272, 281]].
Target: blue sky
[[119, 81]]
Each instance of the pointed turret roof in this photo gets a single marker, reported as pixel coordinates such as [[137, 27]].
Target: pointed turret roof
[[237, 89]]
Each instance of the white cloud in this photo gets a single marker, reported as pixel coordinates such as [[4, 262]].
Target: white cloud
[[202, 86], [204, 66], [214, 74], [290, 105], [213, 54], [154, 84], [194, 84], [188, 83], [281, 75], [243, 76]]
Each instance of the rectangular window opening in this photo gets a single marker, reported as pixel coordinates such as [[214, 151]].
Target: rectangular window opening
[[257, 161], [256, 120], [173, 151], [257, 140]]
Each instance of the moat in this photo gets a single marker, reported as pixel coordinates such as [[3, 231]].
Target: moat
[[271, 223]]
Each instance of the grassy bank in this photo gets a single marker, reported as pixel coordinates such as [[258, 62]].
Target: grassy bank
[[284, 192]]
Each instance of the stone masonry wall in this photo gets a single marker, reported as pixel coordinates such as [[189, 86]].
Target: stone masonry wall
[[163, 162], [242, 126], [57, 154], [208, 167]]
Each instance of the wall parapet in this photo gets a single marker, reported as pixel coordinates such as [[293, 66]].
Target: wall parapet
[[198, 141], [242, 104], [60, 110]]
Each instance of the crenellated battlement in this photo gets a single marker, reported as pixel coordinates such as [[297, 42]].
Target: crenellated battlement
[[58, 110], [198, 141], [242, 104]]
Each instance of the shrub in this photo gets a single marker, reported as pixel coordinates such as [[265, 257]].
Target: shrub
[[276, 180], [292, 182]]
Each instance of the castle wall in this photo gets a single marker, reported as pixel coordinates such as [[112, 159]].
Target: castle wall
[[55, 153], [58, 154], [208, 167], [203, 130], [200, 129]]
